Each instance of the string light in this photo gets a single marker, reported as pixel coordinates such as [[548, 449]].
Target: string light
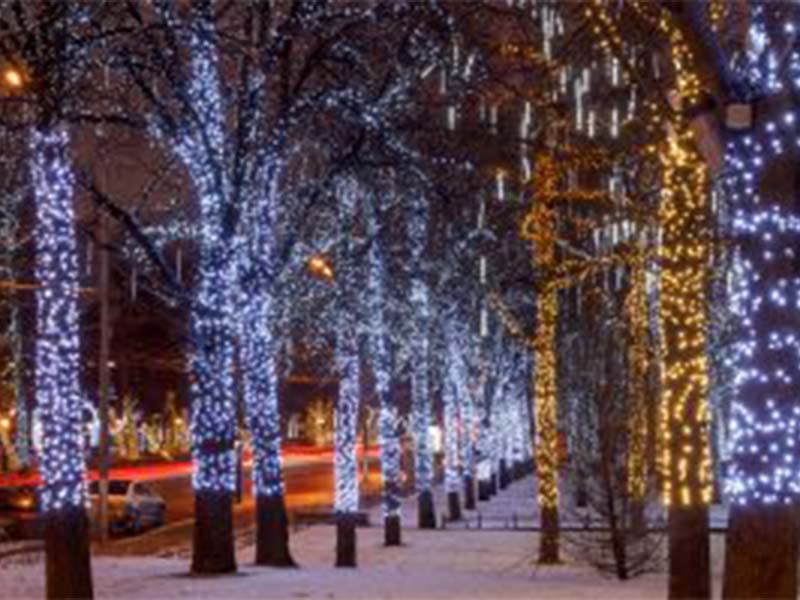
[[684, 258], [450, 399], [258, 350], [684, 454], [539, 227], [636, 313], [213, 423], [765, 417], [347, 363], [382, 367], [260, 390], [58, 393], [420, 393]]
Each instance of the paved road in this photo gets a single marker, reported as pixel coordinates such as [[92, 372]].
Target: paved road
[[308, 475], [309, 484]]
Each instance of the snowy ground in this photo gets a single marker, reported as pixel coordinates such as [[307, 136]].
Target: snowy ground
[[453, 563], [516, 507]]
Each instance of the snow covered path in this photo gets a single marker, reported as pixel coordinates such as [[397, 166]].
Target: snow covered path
[[432, 564], [455, 563]]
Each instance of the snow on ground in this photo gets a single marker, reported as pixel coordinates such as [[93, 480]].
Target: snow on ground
[[432, 564], [516, 506], [455, 563]]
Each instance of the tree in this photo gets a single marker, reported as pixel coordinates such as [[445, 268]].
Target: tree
[[348, 365], [417, 224], [381, 348], [14, 181], [318, 421], [762, 544], [45, 48], [616, 490], [129, 433]]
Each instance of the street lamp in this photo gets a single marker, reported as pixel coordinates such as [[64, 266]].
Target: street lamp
[[12, 77], [320, 267]]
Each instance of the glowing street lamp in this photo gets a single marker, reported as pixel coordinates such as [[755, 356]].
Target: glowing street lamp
[[12, 77], [320, 267]]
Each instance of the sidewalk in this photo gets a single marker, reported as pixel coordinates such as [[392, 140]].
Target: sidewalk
[[442, 564]]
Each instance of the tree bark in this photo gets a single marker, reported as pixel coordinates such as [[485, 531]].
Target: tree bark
[[484, 489], [469, 493], [505, 476], [345, 540], [689, 553], [618, 547], [636, 510], [68, 564], [391, 531], [581, 493], [454, 506], [548, 543], [425, 510], [272, 532], [761, 552], [212, 547]]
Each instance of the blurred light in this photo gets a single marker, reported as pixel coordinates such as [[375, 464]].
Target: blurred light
[[13, 78], [320, 267]]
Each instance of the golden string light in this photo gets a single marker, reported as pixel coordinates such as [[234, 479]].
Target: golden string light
[[539, 228], [636, 314], [685, 458], [717, 11]]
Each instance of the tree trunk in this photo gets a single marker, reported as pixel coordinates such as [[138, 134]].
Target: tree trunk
[[484, 489], [505, 476], [636, 509], [212, 546], [67, 556], [761, 552], [345, 540], [620, 554], [548, 543], [493, 484], [689, 553], [581, 493], [272, 532], [454, 506], [391, 531], [469, 493], [426, 513]]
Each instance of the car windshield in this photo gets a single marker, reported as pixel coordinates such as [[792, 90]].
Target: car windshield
[[115, 488]]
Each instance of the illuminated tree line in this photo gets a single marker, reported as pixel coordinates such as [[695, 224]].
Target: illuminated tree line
[[237, 102]]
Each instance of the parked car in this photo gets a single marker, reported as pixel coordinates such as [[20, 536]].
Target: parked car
[[19, 512], [132, 505]]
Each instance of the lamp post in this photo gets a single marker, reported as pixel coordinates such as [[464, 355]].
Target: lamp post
[[104, 376]]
